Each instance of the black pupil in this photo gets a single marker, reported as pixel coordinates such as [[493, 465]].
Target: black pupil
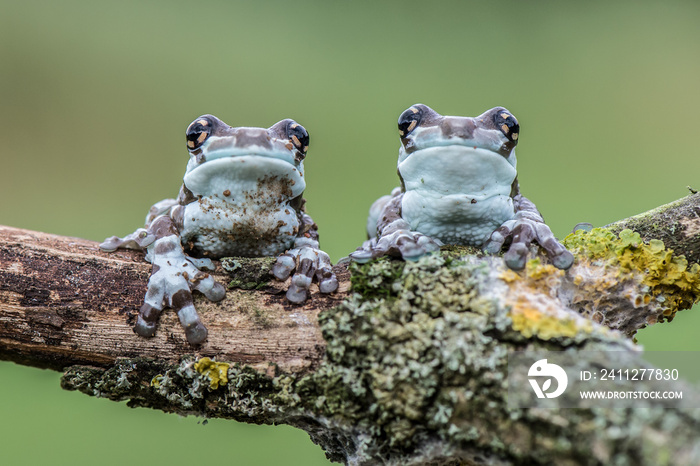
[[301, 135], [194, 131], [405, 121], [510, 122]]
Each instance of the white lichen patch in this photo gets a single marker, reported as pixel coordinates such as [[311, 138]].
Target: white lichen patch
[[626, 283], [606, 296], [534, 302]]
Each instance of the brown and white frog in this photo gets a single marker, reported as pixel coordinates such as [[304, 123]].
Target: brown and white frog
[[241, 196]]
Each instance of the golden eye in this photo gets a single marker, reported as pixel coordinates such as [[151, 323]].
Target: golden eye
[[299, 136], [408, 121], [198, 132], [508, 125]]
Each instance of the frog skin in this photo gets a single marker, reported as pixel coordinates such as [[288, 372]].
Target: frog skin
[[241, 196], [459, 185]]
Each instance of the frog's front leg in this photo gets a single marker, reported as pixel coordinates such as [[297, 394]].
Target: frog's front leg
[[141, 238], [525, 227], [394, 234], [173, 277], [306, 261]]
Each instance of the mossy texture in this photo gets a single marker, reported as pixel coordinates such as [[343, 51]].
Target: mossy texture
[[676, 224], [415, 373], [248, 273]]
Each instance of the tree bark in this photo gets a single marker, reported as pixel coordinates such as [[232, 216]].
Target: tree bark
[[65, 302], [405, 364]]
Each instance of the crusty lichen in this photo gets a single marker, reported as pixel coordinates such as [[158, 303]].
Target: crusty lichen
[[216, 371], [658, 264], [619, 281], [417, 363], [535, 307], [194, 386], [676, 224], [627, 283], [415, 369]]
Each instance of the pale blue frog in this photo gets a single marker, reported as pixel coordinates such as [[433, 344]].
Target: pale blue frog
[[459, 185]]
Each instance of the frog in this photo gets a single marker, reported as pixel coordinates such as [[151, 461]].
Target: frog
[[241, 195], [458, 185]]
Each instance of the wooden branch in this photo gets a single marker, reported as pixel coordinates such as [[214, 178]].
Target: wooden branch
[[65, 302], [676, 224], [407, 367]]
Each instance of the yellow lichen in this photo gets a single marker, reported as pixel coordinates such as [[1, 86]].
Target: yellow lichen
[[535, 309], [216, 371], [536, 270], [532, 322], [659, 269], [534, 304], [155, 381], [509, 276]]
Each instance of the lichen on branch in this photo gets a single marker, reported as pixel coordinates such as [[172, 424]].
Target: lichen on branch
[[649, 275], [415, 371], [406, 364]]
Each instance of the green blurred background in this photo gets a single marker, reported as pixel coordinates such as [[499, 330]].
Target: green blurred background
[[96, 96]]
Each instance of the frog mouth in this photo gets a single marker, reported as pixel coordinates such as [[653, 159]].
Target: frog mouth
[[246, 171], [233, 152]]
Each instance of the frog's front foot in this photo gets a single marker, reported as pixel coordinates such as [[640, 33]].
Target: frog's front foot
[[173, 278], [522, 231], [305, 262], [406, 244]]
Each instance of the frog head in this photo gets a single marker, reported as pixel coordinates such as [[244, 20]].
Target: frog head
[[221, 154], [451, 154]]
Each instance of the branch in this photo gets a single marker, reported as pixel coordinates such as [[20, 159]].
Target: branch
[[407, 364], [64, 302], [676, 224]]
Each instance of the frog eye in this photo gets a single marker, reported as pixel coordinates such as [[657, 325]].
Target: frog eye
[[408, 120], [198, 132], [506, 122], [299, 136]]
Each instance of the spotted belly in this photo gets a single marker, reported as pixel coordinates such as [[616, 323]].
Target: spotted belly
[[214, 229]]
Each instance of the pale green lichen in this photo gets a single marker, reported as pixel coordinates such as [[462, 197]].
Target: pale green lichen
[[422, 342], [416, 363]]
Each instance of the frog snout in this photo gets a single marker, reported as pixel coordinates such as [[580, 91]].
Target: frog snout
[[458, 127], [253, 137]]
